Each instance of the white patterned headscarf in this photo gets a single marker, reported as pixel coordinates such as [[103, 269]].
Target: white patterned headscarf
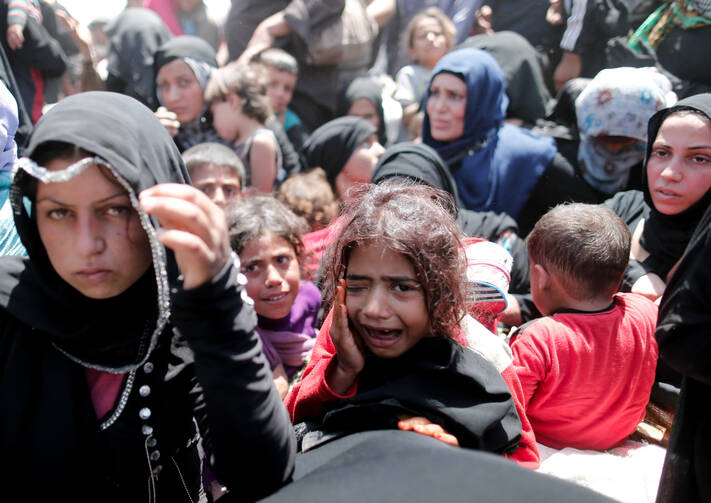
[[703, 7], [618, 102]]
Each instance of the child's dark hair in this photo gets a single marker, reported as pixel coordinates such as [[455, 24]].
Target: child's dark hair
[[258, 215], [278, 59], [309, 195], [587, 247], [435, 13], [249, 82], [215, 154], [416, 221]]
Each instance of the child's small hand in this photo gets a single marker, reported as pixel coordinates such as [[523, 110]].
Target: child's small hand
[[350, 359], [15, 38], [424, 426]]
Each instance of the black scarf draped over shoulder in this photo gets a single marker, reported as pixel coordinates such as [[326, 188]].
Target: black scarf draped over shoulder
[[665, 237]]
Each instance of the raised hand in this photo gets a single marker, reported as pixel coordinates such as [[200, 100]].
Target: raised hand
[[192, 226], [349, 352]]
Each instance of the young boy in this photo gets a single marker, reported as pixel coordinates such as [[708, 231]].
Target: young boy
[[283, 74], [588, 365], [217, 171]]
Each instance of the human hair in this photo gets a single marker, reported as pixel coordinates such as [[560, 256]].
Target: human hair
[[249, 82], [415, 221], [586, 247], [309, 195], [257, 215], [215, 154], [278, 59], [438, 15]]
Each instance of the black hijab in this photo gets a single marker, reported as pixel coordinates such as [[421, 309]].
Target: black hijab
[[368, 89], [422, 164], [665, 237], [112, 334], [184, 46], [331, 145]]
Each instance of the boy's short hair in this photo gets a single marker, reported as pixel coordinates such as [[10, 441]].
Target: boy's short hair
[[257, 215], [450, 31], [279, 59], [309, 195], [249, 82], [215, 154], [586, 246]]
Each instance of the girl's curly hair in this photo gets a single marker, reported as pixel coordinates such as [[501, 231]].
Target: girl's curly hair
[[416, 221]]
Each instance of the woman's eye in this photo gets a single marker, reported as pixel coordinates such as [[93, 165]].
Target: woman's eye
[[117, 211], [658, 152], [250, 268], [184, 83], [58, 214], [434, 93], [701, 159], [283, 259], [457, 97]]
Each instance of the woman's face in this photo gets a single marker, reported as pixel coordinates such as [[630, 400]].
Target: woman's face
[[679, 167], [359, 167], [447, 107], [180, 90], [92, 234], [364, 108]]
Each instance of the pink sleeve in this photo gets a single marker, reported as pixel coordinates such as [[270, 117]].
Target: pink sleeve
[[306, 397], [527, 453]]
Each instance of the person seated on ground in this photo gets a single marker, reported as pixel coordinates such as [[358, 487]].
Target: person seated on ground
[[283, 74], [237, 97], [429, 36], [217, 171], [393, 347], [612, 114], [497, 167], [416, 162], [588, 365], [267, 237], [125, 338], [183, 66]]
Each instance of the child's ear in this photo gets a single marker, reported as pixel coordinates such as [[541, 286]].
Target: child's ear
[[542, 276], [234, 101]]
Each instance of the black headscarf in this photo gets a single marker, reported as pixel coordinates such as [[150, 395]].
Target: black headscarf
[[665, 237], [421, 163], [184, 46], [135, 35], [115, 333], [368, 89], [331, 145]]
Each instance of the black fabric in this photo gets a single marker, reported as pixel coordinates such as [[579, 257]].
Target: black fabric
[[666, 236], [390, 466], [331, 145], [207, 363], [365, 88], [184, 46], [421, 163], [134, 36], [683, 334], [529, 98], [290, 161], [441, 380]]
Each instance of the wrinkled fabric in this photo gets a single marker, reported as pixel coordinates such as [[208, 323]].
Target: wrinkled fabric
[[618, 102], [495, 165]]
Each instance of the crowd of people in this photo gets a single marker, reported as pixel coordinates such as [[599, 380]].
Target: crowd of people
[[356, 249]]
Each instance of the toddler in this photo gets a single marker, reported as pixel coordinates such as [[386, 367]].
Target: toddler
[[237, 97], [588, 365]]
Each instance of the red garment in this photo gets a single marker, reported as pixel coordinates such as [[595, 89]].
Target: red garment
[[104, 388], [38, 100], [166, 9], [587, 377], [306, 397]]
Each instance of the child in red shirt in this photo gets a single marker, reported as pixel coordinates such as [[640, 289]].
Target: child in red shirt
[[392, 347], [588, 365]]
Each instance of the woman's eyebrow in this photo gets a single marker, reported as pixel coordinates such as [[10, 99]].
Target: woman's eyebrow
[[395, 279], [99, 201]]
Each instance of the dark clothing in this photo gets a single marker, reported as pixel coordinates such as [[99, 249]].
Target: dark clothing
[[405, 466], [685, 346], [25, 125], [135, 36], [529, 98], [365, 88], [185, 353]]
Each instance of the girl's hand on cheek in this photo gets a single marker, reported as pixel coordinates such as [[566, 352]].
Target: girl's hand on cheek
[[192, 226], [349, 353]]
